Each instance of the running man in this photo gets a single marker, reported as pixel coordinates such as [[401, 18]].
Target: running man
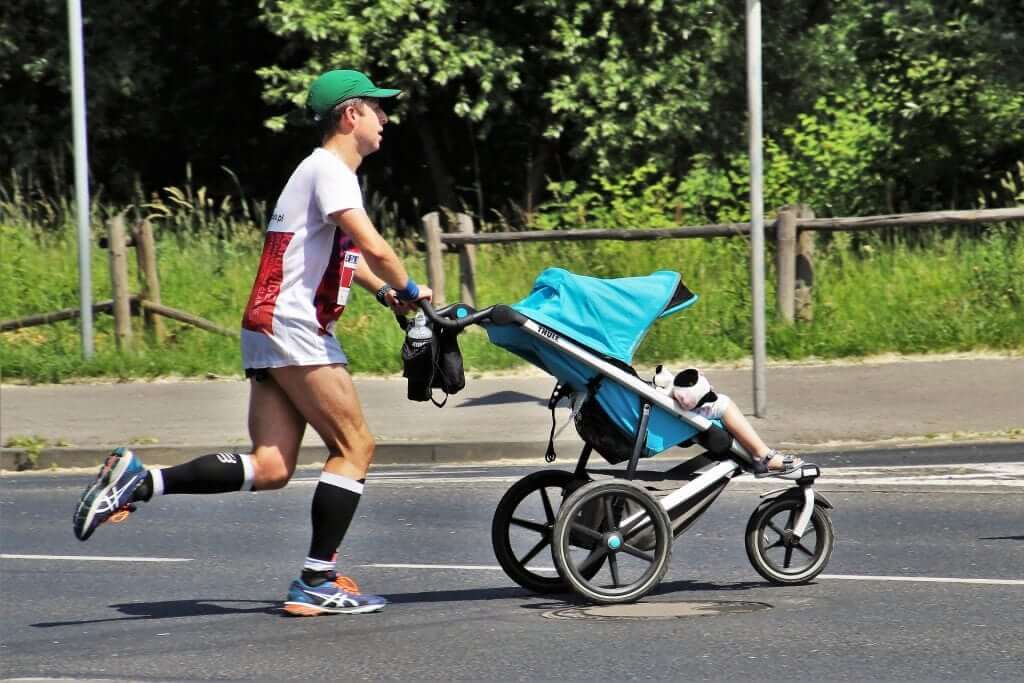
[[318, 242]]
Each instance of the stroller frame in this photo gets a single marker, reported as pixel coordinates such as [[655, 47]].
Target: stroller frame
[[605, 512]]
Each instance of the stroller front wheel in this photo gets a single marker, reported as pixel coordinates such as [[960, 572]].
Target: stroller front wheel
[[776, 553], [618, 519]]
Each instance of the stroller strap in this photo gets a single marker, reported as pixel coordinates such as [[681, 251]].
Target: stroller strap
[[577, 399], [557, 394]]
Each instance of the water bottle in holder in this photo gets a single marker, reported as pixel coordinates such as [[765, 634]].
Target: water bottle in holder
[[418, 358]]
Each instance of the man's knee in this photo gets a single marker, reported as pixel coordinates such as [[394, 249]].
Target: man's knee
[[360, 447], [270, 472]]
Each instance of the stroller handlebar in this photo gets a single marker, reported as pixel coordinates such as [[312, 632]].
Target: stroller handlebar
[[459, 316]]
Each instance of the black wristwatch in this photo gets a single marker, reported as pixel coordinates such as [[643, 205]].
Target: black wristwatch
[[382, 295]]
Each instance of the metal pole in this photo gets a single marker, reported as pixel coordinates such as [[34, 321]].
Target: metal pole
[[756, 202], [81, 173]]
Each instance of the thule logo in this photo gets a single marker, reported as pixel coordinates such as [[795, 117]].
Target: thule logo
[[548, 333]]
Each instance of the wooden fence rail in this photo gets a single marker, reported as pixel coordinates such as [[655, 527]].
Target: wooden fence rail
[[124, 304], [53, 316], [792, 228]]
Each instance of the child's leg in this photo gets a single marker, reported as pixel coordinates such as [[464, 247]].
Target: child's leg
[[741, 429]]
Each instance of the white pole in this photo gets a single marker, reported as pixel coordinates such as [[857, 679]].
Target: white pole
[[756, 202], [81, 173]]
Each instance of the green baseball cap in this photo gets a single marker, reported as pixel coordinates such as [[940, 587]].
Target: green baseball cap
[[339, 85]]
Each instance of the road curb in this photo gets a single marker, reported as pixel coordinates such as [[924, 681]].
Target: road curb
[[397, 453]]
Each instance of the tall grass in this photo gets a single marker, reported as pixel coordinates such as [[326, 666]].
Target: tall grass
[[939, 291]]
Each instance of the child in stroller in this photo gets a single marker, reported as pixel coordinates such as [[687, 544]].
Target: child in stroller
[[692, 391]]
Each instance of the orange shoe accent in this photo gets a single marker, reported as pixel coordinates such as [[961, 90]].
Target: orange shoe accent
[[304, 611], [119, 516], [346, 584]]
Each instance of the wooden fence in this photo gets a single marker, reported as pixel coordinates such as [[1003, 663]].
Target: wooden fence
[[125, 304], [793, 230]]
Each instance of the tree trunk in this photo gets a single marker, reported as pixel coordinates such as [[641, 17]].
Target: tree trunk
[[443, 185], [535, 177]]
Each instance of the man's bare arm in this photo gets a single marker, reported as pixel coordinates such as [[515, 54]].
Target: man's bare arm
[[382, 265], [379, 255], [366, 279]]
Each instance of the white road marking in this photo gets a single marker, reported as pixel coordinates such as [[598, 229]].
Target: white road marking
[[486, 567], [1004, 474], [925, 579], [94, 558], [993, 475], [843, 577], [372, 480]]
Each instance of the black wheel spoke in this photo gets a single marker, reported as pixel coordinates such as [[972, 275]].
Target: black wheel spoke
[[548, 510], [776, 529], [801, 547], [531, 525], [613, 565], [636, 552], [789, 557], [778, 544], [586, 531], [595, 556], [533, 552], [609, 514]]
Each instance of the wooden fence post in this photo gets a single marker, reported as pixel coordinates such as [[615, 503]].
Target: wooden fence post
[[785, 262], [435, 263], [119, 282], [802, 294], [149, 279], [467, 262]]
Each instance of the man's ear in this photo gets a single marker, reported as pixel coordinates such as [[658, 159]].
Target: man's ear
[[347, 117]]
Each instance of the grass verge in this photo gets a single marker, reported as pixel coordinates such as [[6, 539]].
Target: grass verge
[[941, 291]]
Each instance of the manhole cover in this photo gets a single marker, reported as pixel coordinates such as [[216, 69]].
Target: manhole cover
[[657, 610]]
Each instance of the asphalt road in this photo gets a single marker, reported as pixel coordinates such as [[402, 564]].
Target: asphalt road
[[455, 616]]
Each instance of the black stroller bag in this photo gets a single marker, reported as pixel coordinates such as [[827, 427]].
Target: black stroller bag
[[433, 363]]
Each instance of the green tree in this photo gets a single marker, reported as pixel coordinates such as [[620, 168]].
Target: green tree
[[952, 74], [539, 84], [168, 83]]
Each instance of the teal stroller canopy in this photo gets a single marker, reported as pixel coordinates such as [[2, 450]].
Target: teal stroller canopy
[[610, 317]]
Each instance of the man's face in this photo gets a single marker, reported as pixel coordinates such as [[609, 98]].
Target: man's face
[[369, 125]]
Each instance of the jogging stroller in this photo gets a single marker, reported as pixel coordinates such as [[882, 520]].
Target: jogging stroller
[[611, 530]]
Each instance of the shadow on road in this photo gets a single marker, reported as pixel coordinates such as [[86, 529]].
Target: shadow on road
[[502, 397], [690, 586], [560, 599], [464, 595], [173, 609], [1001, 538]]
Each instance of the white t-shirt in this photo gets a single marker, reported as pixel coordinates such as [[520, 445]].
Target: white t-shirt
[[306, 269]]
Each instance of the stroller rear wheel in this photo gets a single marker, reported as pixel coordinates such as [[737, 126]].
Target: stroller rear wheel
[[522, 526], [625, 515], [776, 553]]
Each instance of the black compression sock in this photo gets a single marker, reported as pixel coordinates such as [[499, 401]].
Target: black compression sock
[[213, 473], [334, 504]]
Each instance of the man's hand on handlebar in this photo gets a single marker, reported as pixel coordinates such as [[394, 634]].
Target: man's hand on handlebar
[[402, 307]]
